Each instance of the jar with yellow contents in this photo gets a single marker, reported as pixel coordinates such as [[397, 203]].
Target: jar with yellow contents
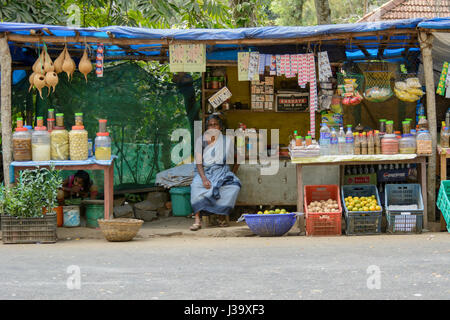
[[103, 146]]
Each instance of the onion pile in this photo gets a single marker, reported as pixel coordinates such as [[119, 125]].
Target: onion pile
[[322, 206]]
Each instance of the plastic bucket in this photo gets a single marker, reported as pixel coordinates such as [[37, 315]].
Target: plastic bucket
[[71, 216], [181, 201], [93, 213], [59, 215]]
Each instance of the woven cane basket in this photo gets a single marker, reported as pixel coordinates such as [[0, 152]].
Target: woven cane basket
[[120, 229]]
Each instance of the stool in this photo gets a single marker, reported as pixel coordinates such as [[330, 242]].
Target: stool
[[212, 220]]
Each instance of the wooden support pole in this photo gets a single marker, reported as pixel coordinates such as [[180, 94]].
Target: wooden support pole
[[6, 72], [426, 41]]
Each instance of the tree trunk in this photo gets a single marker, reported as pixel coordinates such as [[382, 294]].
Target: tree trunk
[[426, 41], [323, 12], [6, 63]]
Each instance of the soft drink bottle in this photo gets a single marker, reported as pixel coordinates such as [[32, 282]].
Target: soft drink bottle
[[324, 140], [341, 141], [334, 142]]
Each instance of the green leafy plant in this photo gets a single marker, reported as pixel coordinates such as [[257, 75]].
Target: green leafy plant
[[35, 190]]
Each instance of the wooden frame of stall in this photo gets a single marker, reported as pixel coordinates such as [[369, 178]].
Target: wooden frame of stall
[[385, 39]]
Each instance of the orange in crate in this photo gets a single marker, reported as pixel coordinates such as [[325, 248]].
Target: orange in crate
[[322, 223]]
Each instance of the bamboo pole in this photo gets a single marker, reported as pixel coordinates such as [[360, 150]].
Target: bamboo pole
[[426, 41], [6, 71]]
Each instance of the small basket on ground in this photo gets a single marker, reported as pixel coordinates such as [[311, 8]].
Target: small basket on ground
[[323, 223], [443, 201], [270, 225], [121, 229], [361, 222], [404, 208], [29, 229]]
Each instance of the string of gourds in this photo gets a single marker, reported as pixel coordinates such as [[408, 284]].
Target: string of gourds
[[45, 72]]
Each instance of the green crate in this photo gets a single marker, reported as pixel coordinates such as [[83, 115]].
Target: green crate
[[443, 202]]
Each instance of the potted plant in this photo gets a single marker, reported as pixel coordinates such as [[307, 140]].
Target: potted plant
[[22, 207]]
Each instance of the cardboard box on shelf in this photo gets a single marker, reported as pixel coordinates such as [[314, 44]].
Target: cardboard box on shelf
[[268, 106], [269, 80]]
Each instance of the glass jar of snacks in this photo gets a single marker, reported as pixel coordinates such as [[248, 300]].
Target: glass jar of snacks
[[407, 144], [59, 148], [40, 144], [103, 146], [21, 141], [389, 127], [78, 143], [389, 144], [424, 143]]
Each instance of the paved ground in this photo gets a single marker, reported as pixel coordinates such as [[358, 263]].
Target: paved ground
[[158, 266]]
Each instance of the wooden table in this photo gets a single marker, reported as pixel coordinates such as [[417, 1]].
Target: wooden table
[[444, 154], [342, 161], [90, 164]]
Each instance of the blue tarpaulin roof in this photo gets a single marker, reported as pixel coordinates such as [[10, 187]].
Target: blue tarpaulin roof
[[436, 23], [212, 34], [155, 39]]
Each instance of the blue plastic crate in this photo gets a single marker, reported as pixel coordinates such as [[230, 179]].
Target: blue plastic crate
[[405, 220], [359, 191], [363, 224]]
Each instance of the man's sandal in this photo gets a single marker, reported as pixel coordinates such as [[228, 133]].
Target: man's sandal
[[195, 227]]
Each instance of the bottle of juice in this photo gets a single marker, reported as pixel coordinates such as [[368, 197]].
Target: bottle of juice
[[363, 138], [370, 143], [356, 143]]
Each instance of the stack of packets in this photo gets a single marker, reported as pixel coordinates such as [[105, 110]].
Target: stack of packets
[[99, 60], [262, 97], [313, 150], [444, 82]]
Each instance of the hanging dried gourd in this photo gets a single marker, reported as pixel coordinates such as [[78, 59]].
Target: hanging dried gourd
[[39, 82], [59, 61], [51, 79], [48, 63], [31, 80], [38, 66], [85, 65], [68, 65]]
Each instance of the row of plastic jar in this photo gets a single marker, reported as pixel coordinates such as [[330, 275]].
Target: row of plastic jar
[[407, 144], [41, 145]]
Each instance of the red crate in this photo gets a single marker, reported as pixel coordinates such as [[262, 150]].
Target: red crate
[[327, 223], [323, 224]]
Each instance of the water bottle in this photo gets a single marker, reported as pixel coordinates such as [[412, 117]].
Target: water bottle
[[334, 143], [324, 141], [349, 140], [342, 147]]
